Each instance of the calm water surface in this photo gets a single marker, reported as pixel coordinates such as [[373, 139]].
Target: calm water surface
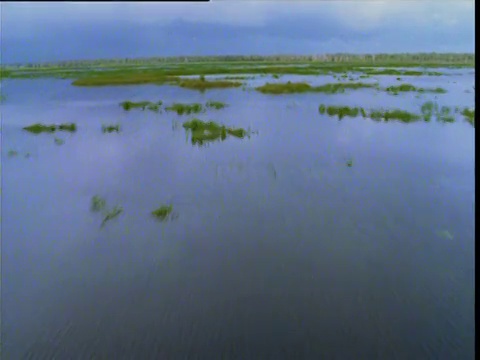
[[279, 250]]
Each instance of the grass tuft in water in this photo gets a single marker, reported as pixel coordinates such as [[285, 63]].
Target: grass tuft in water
[[210, 131], [387, 115], [128, 105], [215, 105], [112, 214], [97, 204], [187, 109], [110, 128], [469, 115], [163, 212], [350, 163]]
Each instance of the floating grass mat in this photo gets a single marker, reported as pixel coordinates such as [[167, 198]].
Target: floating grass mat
[[186, 109], [202, 132], [97, 204], [40, 128], [110, 128], [400, 115], [215, 105], [128, 105], [342, 111], [202, 84], [163, 212], [408, 87], [302, 87]]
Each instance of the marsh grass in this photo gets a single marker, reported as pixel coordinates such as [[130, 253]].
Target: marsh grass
[[128, 105], [97, 204], [40, 128], [469, 115], [301, 87], [112, 214], [163, 212], [408, 87], [186, 109], [342, 111], [401, 72], [110, 128], [349, 163], [202, 132], [201, 84], [400, 115], [215, 105], [59, 141]]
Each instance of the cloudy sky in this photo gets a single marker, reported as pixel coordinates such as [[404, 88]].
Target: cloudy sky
[[35, 32]]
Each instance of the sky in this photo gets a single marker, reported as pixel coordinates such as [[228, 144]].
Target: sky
[[56, 31]]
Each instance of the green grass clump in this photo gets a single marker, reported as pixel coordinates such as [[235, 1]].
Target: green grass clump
[[469, 115], [387, 115], [301, 87], [39, 128], [429, 109], [110, 128], [97, 203], [112, 214], [350, 163], [187, 109], [67, 127], [119, 78], [215, 105], [202, 132], [163, 212], [128, 105], [408, 87], [202, 84], [341, 111]]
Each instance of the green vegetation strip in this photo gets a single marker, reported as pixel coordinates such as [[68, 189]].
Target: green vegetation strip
[[409, 87], [301, 87], [429, 110], [39, 128], [163, 212], [202, 132]]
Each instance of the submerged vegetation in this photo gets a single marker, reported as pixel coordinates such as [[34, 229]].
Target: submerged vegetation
[[202, 132], [39, 128], [163, 212], [59, 141], [110, 128], [97, 204], [112, 214], [301, 87]]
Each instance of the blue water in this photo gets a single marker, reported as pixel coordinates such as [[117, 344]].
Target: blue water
[[279, 250]]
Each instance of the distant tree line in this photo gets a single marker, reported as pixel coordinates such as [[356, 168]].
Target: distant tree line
[[444, 58]]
